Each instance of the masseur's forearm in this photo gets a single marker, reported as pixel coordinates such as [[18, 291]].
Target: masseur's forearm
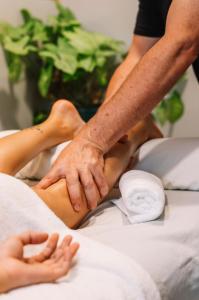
[[121, 74], [140, 45], [145, 86]]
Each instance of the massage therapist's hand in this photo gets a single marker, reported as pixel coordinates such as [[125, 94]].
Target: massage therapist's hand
[[81, 163], [49, 265]]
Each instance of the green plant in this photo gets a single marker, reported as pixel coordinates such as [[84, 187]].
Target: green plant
[[67, 61], [171, 108], [61, 56]]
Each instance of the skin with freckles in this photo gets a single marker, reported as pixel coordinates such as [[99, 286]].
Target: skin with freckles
[[149, 76]]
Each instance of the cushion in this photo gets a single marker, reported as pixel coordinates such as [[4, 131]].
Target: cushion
[[174, 160]]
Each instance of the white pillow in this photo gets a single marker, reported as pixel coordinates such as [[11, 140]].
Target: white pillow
[[174, 160]]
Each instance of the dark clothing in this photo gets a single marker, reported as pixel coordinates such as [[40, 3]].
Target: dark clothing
[[151, 21]]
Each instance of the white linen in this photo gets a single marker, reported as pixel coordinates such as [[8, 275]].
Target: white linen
[[142, 196], [100, 273], [174, 160], [170, 159], [40, 165], [167, 248]]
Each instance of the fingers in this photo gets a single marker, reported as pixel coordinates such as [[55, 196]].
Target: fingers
[[52, 177], [74, 190], [90, 189], [66, 241], [31, 237], [74, 248], [100, 180], [48, 250], [69, 248], [57, 266]]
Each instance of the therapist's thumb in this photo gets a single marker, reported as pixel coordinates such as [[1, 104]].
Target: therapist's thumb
[[51, 178]]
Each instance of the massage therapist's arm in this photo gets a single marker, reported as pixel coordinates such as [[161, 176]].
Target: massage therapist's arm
[[144, 87], [140, 45]]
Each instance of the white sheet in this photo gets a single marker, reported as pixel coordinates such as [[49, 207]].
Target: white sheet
[[100, 273], [167, 248]]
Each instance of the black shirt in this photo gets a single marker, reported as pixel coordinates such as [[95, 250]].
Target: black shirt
[[151, 21]]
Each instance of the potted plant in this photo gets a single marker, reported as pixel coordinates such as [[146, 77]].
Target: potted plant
[[171, 109], [62, 59]]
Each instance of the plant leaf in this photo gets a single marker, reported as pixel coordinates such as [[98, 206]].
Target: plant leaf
[[175, 107], [65, 12], [45, 79], [15, 65], [26, 15], [87, 63], [17, 47], [39, 32], [5, 30], [160, 113], [82, 41]]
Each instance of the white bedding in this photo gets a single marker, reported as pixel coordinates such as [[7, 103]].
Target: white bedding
[[101, 273], [167, 248]]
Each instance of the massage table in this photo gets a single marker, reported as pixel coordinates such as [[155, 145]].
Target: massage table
[[167, 248], [163, 252]]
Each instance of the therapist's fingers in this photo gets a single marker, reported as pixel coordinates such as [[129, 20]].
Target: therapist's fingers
[[52, 177], [90, 189], [100, 180], [74, 189]]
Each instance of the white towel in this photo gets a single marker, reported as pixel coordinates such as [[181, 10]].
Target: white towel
[[143, 197]]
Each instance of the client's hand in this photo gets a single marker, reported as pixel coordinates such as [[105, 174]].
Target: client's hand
[[49, 265], [80, 163]]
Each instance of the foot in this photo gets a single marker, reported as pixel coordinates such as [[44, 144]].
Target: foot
[[64, 121], [152, 129], [142, 132], [145, 130]]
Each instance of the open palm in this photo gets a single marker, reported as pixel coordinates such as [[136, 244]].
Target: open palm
[[49, 265]]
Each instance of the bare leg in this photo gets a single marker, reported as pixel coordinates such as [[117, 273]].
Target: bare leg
[[63, 124], [18, 149], [116, 162]]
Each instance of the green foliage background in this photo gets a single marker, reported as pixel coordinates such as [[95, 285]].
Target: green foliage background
[[61, 56], [67, 61]]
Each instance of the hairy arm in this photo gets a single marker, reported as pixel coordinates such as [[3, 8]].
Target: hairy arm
[[139, 46], [131, 97], [151, 78]]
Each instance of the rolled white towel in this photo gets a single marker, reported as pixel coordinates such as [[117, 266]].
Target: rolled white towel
[[143, 197]]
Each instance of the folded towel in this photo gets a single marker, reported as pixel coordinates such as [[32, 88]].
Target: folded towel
[[143, 197]]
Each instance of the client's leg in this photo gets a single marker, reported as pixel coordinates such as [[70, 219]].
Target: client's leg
[[18, 149], [116, 162]]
